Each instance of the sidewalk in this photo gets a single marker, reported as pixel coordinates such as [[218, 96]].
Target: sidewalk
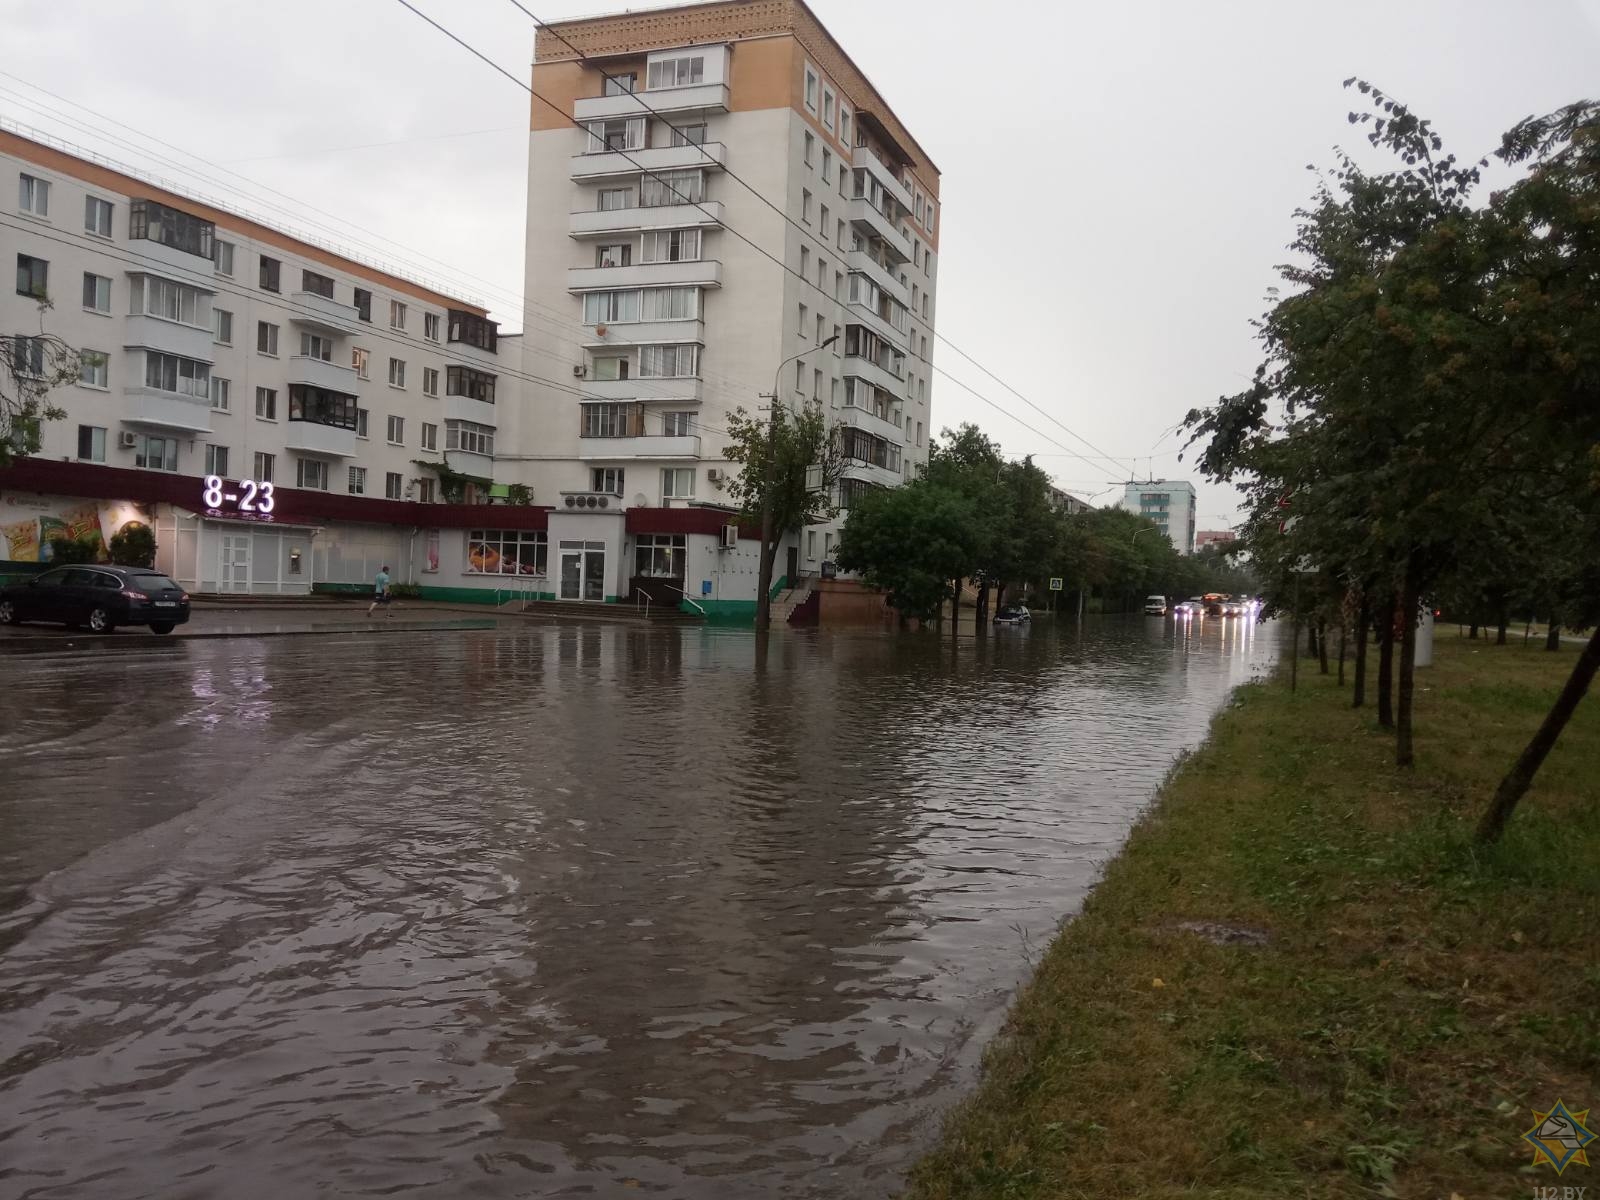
[[210, 620]]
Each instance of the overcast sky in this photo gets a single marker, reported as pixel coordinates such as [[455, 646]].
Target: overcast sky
[[1118, 178]]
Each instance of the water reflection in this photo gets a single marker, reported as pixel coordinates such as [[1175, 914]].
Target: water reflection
[[549, 910]]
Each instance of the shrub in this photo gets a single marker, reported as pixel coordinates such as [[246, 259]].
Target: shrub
[[134, 546], [65, 550]]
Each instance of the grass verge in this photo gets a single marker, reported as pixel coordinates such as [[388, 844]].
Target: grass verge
[[1415, 1000]]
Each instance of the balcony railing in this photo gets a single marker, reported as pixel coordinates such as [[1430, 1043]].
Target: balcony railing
[[701, 273], [607, 164], [701, 97], [707, 214], [662, 446]]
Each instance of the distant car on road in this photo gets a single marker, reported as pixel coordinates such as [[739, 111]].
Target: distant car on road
[[1192, 607], [1013, 614], [1155, 606], [100, 597]]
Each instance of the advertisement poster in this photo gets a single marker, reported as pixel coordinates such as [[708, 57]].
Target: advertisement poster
[[29, 522]]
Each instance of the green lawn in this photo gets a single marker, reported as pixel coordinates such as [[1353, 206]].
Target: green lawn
[[1415, 999]]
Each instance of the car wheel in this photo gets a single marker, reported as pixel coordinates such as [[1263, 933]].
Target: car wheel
[[162, 627], [8, 613], [100, 620]]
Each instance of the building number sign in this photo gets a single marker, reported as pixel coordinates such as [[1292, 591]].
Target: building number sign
[[250, 499]]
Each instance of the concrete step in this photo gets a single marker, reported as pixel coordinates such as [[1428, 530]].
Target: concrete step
[[621, 613]]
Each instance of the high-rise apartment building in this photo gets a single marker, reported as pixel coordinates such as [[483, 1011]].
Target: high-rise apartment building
[[663, 292], [1170, 503]]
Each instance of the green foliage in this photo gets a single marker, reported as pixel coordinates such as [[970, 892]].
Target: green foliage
[[912, 542], [405, 591], [519, 494], [134, 545], [32, 365], [795, 459], [64, 550]]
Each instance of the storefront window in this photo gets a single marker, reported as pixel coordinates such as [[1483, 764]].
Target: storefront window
[[660, 555], [506, 552]]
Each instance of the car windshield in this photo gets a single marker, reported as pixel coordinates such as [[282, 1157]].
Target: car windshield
[[152, 582]]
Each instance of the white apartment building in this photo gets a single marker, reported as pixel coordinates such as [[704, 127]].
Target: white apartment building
[[652, 316], [1170, 503]]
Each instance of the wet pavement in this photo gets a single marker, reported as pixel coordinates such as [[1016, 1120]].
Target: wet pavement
[[547, 910]]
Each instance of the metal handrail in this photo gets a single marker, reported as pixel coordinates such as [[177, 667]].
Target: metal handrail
[[686, 598], [643, 596]]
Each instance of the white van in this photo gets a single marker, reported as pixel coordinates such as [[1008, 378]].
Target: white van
[[1155, 606]]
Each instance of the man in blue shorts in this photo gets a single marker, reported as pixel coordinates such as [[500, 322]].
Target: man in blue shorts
[[380, 593]]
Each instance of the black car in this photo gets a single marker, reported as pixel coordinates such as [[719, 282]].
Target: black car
[[100, 597]]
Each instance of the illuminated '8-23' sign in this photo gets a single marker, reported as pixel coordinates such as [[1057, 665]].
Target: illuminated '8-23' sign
[[252, 497]]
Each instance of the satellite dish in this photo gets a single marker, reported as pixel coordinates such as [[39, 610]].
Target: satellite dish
[[599, 331], [639, 500]]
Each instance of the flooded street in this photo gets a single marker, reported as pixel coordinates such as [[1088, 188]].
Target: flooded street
[[547, 910]]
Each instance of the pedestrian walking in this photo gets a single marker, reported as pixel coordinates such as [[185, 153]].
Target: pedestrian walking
[[380, 593]]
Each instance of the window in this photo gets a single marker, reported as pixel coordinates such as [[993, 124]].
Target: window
[[184, 376], [608, 421], [397, 315], [802, 324], [96, 293], [430, 381], [361, 422], [618, 254], [620, 85], [805, 261], [91, 443], [397, 372], [508, 552], [844, 124], [816, 385], [267, 404], [672, 245], [689, 135], [916, 254], [221, 394], [671, 304], [838, 282], [358, 362], [811, 146], [677, 483], [469, 437], [155, 453], [930, 216], [666, 188], [319, 406], [811, 89], [222, 326], [827, 170], [263, 467], [607, 480], [833, 393], [270, 268], [464, 381], [311, 473], [811, 545], [397, 431], [33, 196], [266, 339], [94, 369], [425, 496], [393, 485], [669, 362], [827, 220], [677, 72], [474, 330], [33, 276], [924, 306], [614, 307], [358, 481], [606, 369], [430, 326], [917, 207], [314, 345], [217, 461], [677, 424], [850, 492], [169, 301], [97, 216], [172, 227], [27, 356], [660, 555], [612, 199], [621, 133], [317, 285], [363, 304], [919, 433], [430, 436], [821, 325], [222, 257], [805, 205]]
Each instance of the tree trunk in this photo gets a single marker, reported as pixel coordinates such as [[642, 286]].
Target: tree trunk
[[1552, 638], [1363, 625], [1341, 651], [1322, 644], [1502, 619], [1294, 654], [1472, 632], [1404, 753], [955, 610], [1386, 664], [1517, 781], [1311, 638], [983, 603]]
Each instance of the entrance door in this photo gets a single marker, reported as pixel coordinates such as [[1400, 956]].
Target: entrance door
[[583, 571], [235, 573], [571, 574], [794, 566]]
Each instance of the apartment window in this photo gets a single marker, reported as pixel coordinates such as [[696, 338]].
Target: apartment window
[[270, 270], [811, 545], [393, 485], [361, 422], [430, 326], [671, 245], [319, 406], [430, 381], [311, 473], [833, 393], [838, 283], [470, 437], [397, 372], [670, 304], [844, 124], [811, 89], [802, 324], [267, 404], [677, 72], [217, 461], [358, 362], [397, 431], [677, 424], [820, 327], [827, 221], [397, 315], [94, 369], [916, 254], [222, 326], [618, 254], [430, 436], [183, 376], [800, 377], [221, 394], [689, 135], [263, 467], [222, 257], [363, 304], [805, 261], [155, 453], [677, 483], [672, 187], [620, 85], [612, 199], [471, 329], [606, 369], [827, 171], [33, 196], [33, 276], [607, 480], [91, 443], [464, 381], [97, 216], [96, 293], [620, 133], [358, 481], [314, 345], [172, 227], [924, 306], [822, 273], [27, 356], [805, 205], [614, 307], [425, 496], [607, 421], [669, 362], [843, 177], [930, 216], [317, 285], [811, 146], [919, 433], [816, 385], [266, 339], [169, 301], [917, 207]]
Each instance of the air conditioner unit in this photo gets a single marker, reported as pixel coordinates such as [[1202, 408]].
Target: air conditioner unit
[[129, 440], [579, 371], [714, 474], [730, 537]]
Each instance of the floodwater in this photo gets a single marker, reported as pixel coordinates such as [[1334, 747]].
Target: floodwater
[[547, 910]]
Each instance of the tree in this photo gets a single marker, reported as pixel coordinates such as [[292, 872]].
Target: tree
[[32, 365], [134, 545], [914, 543], [789, 466]]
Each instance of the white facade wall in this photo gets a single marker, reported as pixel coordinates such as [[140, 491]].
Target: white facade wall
[[1168, 502]]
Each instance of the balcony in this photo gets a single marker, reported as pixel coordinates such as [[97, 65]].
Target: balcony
[[863, 418], [864, 215], [613, 164], [865, 368], [174, 263], [609, 449], [889, 281], [703, 273], [623, 337], [593, 222], [649, 391], [169, 337], [167, 410], [321, 373], [329, 441], [313, 310], [884, 174], [856, 469], [882, 326], [700, 97], [465, 408], [480, 466]]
